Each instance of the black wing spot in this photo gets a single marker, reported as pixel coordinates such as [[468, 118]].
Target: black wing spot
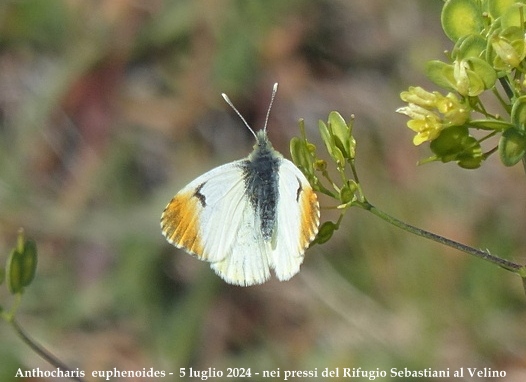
[[300, 189], [198, 195]]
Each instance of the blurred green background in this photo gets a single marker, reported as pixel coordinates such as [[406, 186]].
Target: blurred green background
[[108, 108]]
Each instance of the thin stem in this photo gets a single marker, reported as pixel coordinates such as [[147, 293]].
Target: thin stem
[[490, 152], [357, 180], [477, 105], [325, 190], [485, 255], [506, 86], [503, 103], [321, 188], [488, 136], [41, 351]]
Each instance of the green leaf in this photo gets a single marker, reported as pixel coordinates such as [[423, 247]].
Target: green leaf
[[506, 49], [461, 17], [328, 139], [29, 262], [512, 146], [441, 74], [484, 71], [455, 144], [490, 124], [518, 112], [472, 157], [348, 191], [449, 143], [512, 16], [21, 265], [14, 272], [325, 233], [469, 77], [300, 155], [342, 133], [472, 45], [497, 7]]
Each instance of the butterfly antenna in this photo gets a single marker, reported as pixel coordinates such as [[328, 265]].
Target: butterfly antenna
[[238, 113], [274, 91]]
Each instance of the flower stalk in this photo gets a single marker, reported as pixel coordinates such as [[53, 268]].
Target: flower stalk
[[42, 352], [485, 255]]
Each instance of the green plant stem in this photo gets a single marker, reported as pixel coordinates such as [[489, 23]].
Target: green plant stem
[[501, 100], [485, 255], [506, 86], [41, 351]]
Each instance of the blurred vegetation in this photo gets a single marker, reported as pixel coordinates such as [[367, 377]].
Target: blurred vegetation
[[108, 108]]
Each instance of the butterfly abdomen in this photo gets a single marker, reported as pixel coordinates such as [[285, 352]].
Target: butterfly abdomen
[[260, 172]]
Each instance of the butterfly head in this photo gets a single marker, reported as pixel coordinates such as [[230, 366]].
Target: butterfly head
[[263, 147]]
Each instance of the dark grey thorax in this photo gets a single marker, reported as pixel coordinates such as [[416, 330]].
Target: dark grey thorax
[[261, 183]]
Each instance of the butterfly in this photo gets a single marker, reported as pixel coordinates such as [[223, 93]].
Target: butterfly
[[246, 217]]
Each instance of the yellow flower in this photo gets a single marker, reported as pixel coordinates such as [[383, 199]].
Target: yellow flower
[[455, 113], [425, 123], [418, 96]]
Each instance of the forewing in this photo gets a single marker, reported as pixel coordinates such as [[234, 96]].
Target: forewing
[[213, 219]]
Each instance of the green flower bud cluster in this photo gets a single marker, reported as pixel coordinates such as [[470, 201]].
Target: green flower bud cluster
[[340, 144]]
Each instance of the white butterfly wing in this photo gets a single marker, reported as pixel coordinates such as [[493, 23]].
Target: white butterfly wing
[[213, 219], [297, 220]]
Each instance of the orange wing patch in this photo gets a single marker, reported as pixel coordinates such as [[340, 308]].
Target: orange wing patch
[[310, 216], [180, 222]]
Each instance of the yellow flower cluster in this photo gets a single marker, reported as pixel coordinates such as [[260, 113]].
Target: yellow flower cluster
[[430, 113]]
